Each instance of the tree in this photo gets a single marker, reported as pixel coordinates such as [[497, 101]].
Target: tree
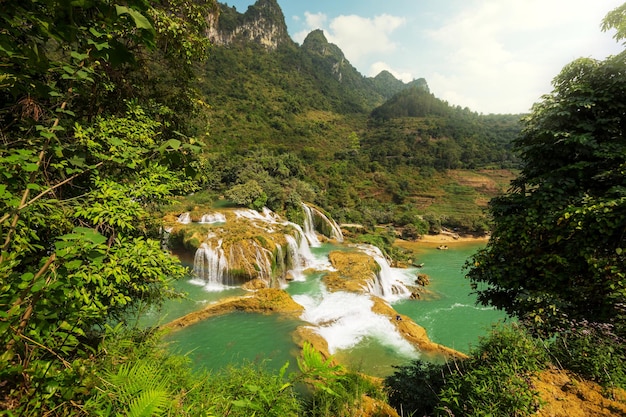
[[85, 162], [558, 248]]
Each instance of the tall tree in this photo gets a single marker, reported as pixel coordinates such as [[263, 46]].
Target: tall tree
[[85, 159], [558, 249]]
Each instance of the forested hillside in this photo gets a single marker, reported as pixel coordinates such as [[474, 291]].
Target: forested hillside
[[373, 150], [112, 113]]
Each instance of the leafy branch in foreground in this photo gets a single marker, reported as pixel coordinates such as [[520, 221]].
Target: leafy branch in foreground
[[84, 167]]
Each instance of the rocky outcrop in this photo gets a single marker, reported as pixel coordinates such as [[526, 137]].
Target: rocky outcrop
[[263, 23], [240, 246], [413, 332], [267, 300], [354, 272], [329, 55]]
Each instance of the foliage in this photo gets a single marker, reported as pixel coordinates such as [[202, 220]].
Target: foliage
[[415, 128], [557, 249], [593, 351], [86, 162], [414, 388], [310, 103], [494, 381], [249, 194], [337, 392]]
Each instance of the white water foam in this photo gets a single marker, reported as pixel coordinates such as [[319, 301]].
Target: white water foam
[[212, 218], [210, 266], [184, 218], [345, 319], [390, 283]]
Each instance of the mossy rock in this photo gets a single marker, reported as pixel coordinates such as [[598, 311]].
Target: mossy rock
[[354, 271]]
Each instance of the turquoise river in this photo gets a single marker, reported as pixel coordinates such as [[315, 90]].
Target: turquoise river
[[448, 313]]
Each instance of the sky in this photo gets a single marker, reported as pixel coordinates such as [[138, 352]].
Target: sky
[[492, 56]]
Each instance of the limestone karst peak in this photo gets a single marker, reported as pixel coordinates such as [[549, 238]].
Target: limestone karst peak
[[263, 23]]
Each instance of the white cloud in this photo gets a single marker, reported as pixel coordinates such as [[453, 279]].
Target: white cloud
[[312, 21], [357, 36], [502, 55], [360, 36]]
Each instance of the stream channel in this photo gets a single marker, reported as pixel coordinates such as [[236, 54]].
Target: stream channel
[[357, 337]]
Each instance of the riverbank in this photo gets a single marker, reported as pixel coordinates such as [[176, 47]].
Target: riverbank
[[441, 241], [451, 237]]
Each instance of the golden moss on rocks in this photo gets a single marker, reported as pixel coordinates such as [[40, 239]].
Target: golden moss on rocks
[[255, 247], [353, 271], [267, 300], [413, 332]]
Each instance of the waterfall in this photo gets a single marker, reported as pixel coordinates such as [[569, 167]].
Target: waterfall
[[298, 262], [263, 263], [211, 218], [329, 227], [250, 258], [388, 283], [184, 218], [210, 265], [346, 319], [309, 226]]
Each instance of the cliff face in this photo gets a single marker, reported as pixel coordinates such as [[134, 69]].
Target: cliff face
[[263, 23]]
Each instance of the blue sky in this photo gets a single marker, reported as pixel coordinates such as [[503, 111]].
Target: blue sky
[[493, 56]]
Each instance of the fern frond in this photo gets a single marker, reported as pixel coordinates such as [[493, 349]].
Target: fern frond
[[149, 403]]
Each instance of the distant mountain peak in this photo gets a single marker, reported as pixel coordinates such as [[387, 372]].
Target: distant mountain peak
[[316, 42], [263, 23]]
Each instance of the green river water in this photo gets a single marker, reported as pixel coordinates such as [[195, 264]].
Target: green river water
[[450, 318]]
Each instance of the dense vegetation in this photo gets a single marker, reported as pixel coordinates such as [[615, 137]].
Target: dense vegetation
[[108, 110], [558, 250], [556, 259], [90, 150], [360, 152]]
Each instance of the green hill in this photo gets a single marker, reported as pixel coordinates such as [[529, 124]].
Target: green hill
[[370, 148]]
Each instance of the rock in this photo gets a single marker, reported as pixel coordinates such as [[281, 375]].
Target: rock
[[422, 280], [354, 270], [255, 284], [414, 333], [266, 300]]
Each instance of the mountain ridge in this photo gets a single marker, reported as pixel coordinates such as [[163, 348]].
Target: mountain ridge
[[263, 23]]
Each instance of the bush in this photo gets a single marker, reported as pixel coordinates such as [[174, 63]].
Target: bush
[[593, 351], [414, 389], [250, 195], [496, 380], [345, 398]]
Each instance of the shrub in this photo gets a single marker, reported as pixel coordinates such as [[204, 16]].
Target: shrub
[[593, 351], [496, 380], [414, 389]]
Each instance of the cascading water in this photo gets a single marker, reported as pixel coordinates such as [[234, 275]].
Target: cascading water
[[184, 218], [210, 265], [310, 214], [345, 319], [263, 263], [268, 219], [309, 227], [389, 283], [212, 218]]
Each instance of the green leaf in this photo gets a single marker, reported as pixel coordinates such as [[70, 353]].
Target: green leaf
[[28, 276], [80, 57], [172, 144], [140, 20], [30, 167]]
